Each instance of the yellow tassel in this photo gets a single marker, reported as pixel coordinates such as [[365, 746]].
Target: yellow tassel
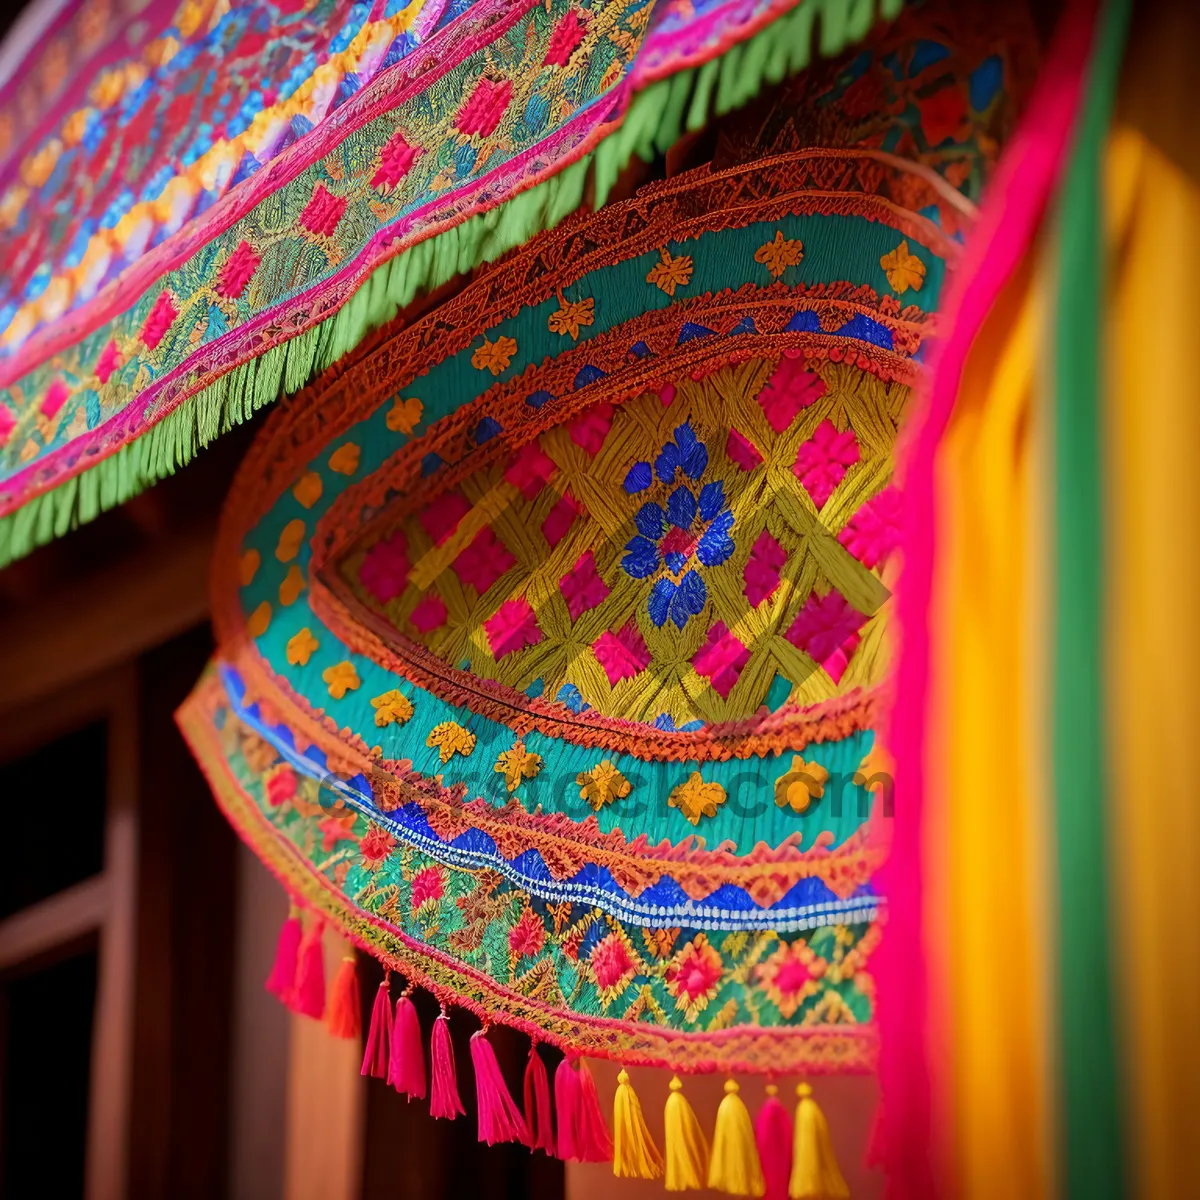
[[635, 1156], [686, 1145], [734, 1167], [815, 1173]]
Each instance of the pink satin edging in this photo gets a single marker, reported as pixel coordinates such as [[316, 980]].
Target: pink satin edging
[[1026, 176]]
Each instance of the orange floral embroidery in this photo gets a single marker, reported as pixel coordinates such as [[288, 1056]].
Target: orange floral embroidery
[[248, 567], [903, 270], [259, 619], [696, 799], [780, 254], [290, 540], [404, 414], [789, 976], [571, 315], [340, 679], [670, 272], [344, 460], [516, 765], [494, 356], [292, 585], [801, 785], [392, 708], [602, 785], [300, 647], [450, 738], [308, 489], [693, 976]]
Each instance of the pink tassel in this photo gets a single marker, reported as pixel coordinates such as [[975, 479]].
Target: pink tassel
[[566, 1102], [773, 1133], [282, 979], [593, 1142], [309, 998], [377, 1054], [406, 1071], [444, 1101], [499, 1118], [537, 1103]]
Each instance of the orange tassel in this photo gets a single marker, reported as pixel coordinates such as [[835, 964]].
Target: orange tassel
[[344, 1018]]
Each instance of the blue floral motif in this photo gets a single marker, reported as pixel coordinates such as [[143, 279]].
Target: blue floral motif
[[693, 525]]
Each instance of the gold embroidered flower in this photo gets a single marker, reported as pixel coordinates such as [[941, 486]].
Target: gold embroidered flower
[[696, 799], [300, 647], [517, 764], [494, 356], [798, 787], [450, 738], [308, 489], [340, 679], [780, 254], [571, 315], [660, 942], [292, 585], [602, 785], [392, 708], [903, 270], [248, 567], [344, 460], [289, 540], [259, 619], [670, 272], [404, 414]]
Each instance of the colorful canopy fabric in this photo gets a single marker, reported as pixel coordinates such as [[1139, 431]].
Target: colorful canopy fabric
[[197, 196], [552, 625]]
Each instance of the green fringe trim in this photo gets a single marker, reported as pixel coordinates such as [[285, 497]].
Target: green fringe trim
[[657, 118]]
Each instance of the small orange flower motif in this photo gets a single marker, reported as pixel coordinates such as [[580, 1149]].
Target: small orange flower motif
[[903, 270], [494, 356], [404, 414], [308, 489], [300, 647], [516, 765], [571, 315], [259, 619], [344, 460], [290, 540], [450, 738], [602, 785], [248, 567], [798, 787], [696, 799], [340, 679], [780, 254], [670, 272], [392, 708], [292, 585]]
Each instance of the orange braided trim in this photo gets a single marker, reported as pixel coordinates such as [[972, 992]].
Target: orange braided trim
[[767, 873], [786, 1050]]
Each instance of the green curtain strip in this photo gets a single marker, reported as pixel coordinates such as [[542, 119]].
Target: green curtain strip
[[657, 118], [1089, 1099]]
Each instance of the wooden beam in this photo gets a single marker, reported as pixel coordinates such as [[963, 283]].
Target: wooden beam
[[62, 918]]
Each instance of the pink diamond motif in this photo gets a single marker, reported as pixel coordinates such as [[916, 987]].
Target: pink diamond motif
[[512, 628], [429, 614], [322, 212], [741, 451], [483, 561], [721, 659], [441, 519], [590, 430], [530, 470], [822, 461], [560, 519], [826, 629], [385, 567], [874, 531], [767, 557], [582, 588], [622, 654], [791, 387]]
